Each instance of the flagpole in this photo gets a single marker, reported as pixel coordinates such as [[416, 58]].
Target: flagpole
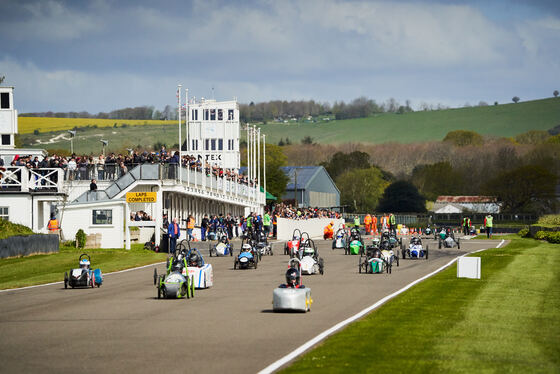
[[264, 166], [258, 163], [179, 123]]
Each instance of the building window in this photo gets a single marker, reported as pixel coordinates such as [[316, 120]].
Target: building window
[[4, 100], [213, 144], [6, 139], [206, 114], [194, 115], [212, 114], [220, 115], [220, 144], [207, 144], [4, 213], [102, 217], [230, 115], [195, 144]]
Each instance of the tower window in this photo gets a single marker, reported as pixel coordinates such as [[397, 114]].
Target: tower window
[[4, 100]]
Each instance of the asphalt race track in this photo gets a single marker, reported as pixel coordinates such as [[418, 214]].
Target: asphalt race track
[[123, 327]]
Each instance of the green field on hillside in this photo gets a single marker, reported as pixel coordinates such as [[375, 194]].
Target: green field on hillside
[[502, 120]]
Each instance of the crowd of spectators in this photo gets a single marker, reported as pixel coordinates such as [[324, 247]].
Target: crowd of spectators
[[288, 211], [115, 165]]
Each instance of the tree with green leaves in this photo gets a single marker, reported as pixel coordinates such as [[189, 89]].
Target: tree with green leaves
[[437, 179], [276, 180], [307, 140], [515, 99], [360, 189], [402, 197], [526, 189], [555, 93], [342, 162]]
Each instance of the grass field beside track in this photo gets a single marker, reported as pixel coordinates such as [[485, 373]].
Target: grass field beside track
[[40, 269], [27, 125], [508, 321]]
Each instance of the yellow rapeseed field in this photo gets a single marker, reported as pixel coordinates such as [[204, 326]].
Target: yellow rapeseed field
[[45, 124]]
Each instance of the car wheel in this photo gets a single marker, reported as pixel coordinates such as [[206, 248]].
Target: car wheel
[[403, 254], [439, 244], [92, 280], [397, 257], [155, 277], [192, 290], [65, 280], [427, 252], [235, 265], [159, 291], [458, 243], [360, 267], [256, 264]]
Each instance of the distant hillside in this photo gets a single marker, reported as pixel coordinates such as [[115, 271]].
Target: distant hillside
[[502, 120]]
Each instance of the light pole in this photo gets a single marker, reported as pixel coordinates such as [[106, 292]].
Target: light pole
[[105, 143], [72, 135]]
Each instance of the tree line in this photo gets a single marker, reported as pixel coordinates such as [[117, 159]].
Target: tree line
[[522, 171], [140, 112]]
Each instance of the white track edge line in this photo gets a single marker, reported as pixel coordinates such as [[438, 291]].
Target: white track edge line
[[301, 349], [59, 282]]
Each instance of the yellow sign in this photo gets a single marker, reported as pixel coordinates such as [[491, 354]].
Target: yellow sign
[[141, 197]]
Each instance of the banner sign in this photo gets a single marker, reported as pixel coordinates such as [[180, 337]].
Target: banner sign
[[141, 197]]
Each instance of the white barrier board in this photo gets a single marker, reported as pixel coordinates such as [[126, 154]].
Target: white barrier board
[[468, 267], [314, 227]]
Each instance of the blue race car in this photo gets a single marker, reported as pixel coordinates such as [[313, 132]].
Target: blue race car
[[83, 276], [247, 258]]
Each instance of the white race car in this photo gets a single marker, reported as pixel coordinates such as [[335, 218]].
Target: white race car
[[200, 273], [309, 258], [292, 296]]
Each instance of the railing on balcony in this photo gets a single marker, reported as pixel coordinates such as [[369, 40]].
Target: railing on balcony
[[22, 179], [195, 180]]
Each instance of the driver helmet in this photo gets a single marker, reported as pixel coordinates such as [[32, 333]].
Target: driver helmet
[[292, 277], [415, 240], [84, 263], [193, 259], [246, 247], [224, 239]]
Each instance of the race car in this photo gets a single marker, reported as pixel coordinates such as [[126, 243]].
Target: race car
[[415, 249], [263, 246], [428, 232], [389, 252], [447, 239], [200, 273], [175, 284], [340, 239], [222, 248], [247, 258], [355, 244], [292, 246], [310, 261], [372, 261], [292, 296], [83, 276]]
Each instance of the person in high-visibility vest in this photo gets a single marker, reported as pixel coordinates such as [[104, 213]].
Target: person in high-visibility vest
[[266, 223], [367, 223], [328, 232], [392, 224], [190, 228], [356, 221], [384, 222], [53, 226], [488, 224], [374, 224], [466, 225]]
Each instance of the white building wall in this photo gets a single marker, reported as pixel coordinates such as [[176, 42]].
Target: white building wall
[[19, 208], [81, 217]]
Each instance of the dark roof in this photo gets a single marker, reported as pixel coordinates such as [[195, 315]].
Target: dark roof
[[466, 199], [305, 175]]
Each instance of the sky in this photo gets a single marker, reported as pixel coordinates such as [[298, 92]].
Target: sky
[[101, 55]]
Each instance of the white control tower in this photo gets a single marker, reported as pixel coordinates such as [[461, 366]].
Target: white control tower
[[8, 118], [213, 132]]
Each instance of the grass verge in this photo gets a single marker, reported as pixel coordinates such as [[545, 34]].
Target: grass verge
[[39, 269], [508, 321]]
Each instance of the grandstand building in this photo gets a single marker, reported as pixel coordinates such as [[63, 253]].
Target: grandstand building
[[30, 196]]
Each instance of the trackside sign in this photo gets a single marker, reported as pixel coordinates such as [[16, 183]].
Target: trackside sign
[[141, 197]]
